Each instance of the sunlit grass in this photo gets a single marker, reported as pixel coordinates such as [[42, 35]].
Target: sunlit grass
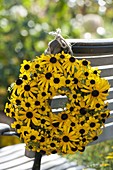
[[99, 156]]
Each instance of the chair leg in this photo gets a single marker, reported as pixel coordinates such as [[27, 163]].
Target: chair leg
[[37, 161]]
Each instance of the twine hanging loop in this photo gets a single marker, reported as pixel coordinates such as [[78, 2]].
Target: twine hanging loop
[[58, 45]]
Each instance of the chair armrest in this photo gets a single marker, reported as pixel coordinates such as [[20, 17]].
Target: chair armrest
[[4, 128]]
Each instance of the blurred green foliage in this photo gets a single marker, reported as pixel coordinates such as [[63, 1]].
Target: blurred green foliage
[[25, 24]]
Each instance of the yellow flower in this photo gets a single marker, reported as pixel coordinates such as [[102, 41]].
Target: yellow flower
[[93, 123], [66, 140], [24, 131], [83, 64], [43, 95], [104, 165], [16, 87], [25, 67], [81, 108], [68, 81], [70, 108], [17, 125], [74, 97], [29, 89], [96, 72], [45, 80], [58, 81], [81, 130], [28, 115], [97, 93], [27, 103], [50, 63], [9, 110], [43, 122], [77, 80], [69, 64], [33, 136]]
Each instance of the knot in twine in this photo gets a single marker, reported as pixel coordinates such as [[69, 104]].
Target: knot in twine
[[58, 45]]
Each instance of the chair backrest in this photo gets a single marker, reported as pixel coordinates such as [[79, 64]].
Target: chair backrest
[[100, 53]]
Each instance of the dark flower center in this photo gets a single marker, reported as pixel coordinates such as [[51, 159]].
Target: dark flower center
[[95, 138], [52, 145], [77, 143], [53, 60], [13, 114], [95, 93], [32, 137], [24, 77], [86, 73], [37, 103], [27, 87], [75, 80], [42, 139], [95, 72], [26, 67], [54, 152], [28, 104], [35, 74], [65, 138], [37, 66], [84, 139], [43, 121], [62, 56], [43, 108], [72, 59], [103, 114], [19, 82], [29, 115], [43, 94], [74, 149], [82, 131], [18, 102], [71, 109], [97, 105], [82, 122], [85, 62], [92, 81], [64, 116], [18, 126], [30, 147], [74, 96], [8, 110], [83, 111], [92, 124], [48, 75], [55, 124], [72, 124], [67, 81], [87, 118], [56, 80]]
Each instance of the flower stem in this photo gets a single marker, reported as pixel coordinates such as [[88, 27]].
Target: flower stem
[[37, 161]]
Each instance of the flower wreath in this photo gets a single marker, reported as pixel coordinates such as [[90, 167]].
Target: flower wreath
[[81, 119]]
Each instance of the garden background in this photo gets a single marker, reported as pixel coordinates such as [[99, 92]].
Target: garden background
[[24, 33]]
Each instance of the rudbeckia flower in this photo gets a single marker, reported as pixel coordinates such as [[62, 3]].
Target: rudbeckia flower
[[74, 122]]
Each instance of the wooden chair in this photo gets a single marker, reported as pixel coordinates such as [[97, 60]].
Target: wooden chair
[[100, 53]]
